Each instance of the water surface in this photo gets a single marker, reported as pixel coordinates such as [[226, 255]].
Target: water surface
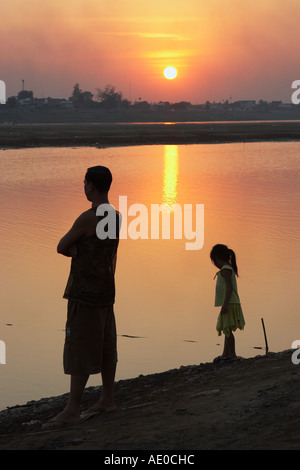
[[165, 293]]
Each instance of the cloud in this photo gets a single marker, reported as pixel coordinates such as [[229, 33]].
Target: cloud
[[175, 37], [170, 54]]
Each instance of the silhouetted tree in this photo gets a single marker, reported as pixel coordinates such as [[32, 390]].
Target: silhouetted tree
[[142, 106], [109, 97], [126, 104], [76, 92], [81, 98], [181, 105]]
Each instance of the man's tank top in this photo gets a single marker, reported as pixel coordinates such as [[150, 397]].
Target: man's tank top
[[92, 274]]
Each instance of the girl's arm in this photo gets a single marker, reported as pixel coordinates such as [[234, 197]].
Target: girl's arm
[[226, 273]]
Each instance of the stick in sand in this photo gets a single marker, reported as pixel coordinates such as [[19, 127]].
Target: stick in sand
[[266, 341]]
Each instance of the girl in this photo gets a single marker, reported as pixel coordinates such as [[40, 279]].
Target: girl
[[231, 316]]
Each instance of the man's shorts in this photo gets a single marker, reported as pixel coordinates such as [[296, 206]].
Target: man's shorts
[[91, 339]]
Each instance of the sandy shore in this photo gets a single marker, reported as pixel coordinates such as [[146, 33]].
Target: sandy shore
[[250, 404], [104, 135]]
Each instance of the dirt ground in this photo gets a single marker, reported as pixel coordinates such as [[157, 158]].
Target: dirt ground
[[249, 404]]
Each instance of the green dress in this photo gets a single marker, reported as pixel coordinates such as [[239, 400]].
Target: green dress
[[234, 318]]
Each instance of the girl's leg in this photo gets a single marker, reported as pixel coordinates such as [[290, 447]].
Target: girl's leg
[[230, 346], [226, 348]]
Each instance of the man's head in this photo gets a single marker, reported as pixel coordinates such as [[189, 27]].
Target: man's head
[[99, 178]]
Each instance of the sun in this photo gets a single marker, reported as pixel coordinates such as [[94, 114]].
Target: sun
[[170, 73]]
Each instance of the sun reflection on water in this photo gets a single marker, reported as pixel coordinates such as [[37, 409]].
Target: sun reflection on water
[[170, 175]]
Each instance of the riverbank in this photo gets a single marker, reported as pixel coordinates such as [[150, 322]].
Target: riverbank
[[248, 404], [123, 134]]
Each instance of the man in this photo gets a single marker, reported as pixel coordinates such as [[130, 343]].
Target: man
[[90, 342]]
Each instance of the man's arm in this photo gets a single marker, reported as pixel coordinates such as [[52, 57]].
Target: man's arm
[[67, 245]]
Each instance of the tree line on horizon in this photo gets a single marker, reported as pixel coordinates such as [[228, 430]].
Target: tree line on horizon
[[108, 98]]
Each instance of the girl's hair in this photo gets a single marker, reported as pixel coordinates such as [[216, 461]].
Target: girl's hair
[[226, 254]]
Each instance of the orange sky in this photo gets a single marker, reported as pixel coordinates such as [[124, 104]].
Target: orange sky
[[222, 48]]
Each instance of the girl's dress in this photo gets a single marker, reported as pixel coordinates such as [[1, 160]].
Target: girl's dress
[[234, 318]]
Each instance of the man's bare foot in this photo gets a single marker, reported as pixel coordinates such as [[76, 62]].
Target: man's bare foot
[[100, 407], [61, 420]]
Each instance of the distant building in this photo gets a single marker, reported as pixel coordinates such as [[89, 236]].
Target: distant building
[[25, 101], [286, 106], [244, 105], [47, 103]]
